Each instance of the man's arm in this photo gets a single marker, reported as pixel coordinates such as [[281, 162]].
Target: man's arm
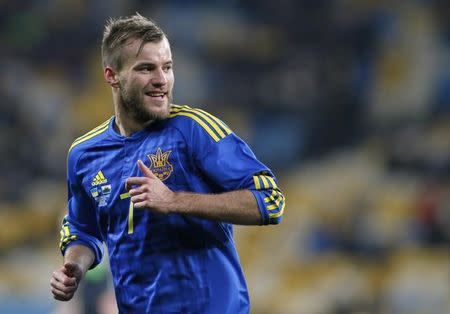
[[237, 207], [64, 282]]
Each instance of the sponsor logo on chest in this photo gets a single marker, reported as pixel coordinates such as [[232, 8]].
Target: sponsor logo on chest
[[100, 189]]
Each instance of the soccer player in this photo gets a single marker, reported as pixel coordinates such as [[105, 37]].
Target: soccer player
[[161, 184]]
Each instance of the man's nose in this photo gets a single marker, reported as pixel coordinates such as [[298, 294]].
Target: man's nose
[[159, 78]]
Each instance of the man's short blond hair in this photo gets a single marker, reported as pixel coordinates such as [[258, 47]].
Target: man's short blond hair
[[119, 31]]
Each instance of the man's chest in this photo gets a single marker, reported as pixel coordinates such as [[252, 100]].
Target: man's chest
[[105, 172]]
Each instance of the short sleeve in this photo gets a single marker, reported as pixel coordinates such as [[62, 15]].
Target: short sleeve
[[229, 162], [80, 225]]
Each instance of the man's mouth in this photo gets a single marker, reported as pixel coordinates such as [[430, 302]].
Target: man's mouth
[[156, 94]]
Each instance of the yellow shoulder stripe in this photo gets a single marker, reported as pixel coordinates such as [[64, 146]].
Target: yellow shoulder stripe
[[190, 115], [93, 130], [203, 115], [218, 121], [212, 125], [92, 133]]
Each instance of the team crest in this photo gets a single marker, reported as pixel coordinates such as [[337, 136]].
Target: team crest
[[160, 164]]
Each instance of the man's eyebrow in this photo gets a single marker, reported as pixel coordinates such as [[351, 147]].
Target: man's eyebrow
[[146, 63], [149, 63]]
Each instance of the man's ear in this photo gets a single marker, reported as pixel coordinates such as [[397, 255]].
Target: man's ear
[[111, 77]]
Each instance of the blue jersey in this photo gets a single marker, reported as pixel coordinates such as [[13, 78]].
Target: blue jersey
[[166, 263]]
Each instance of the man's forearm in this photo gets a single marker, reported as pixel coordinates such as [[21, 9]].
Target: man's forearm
[[81, 255], [237, 207]]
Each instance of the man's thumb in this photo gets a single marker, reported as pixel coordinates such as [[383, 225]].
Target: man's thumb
[[71, 269], [145, 170]]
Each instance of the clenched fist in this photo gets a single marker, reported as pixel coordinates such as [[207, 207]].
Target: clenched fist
[[64, 281]]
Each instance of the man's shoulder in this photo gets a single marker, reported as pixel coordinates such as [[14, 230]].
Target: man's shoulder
[[89, 139], [188, 118]]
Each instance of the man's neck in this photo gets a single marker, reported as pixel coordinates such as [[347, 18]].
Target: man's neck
[[124, 124]]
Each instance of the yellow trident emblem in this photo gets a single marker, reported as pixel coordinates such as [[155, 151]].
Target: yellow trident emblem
[[160, 164]]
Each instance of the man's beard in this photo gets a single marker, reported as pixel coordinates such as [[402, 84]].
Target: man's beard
[[133, 103]]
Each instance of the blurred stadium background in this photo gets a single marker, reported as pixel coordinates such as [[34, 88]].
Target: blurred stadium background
[[347, 100]]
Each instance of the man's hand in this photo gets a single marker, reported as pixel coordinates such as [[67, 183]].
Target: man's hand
[[64, 281], [149, 191]]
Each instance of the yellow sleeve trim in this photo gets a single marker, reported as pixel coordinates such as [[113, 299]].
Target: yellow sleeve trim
[[66, 236], [265, 183], [257, 184], [272, 207], [280, 200], [280, 213], [272, 181], [272, 197]]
